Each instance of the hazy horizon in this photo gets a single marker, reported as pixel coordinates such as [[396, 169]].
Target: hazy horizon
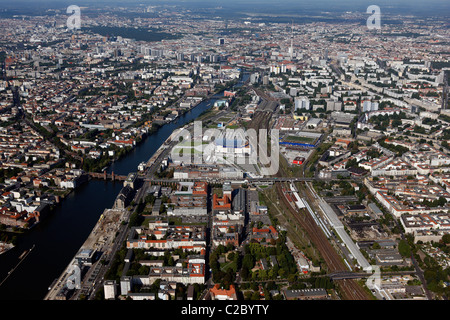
[[395, 7]]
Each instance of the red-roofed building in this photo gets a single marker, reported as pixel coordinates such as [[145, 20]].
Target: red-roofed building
[[223, 203], [267, 233], [217, 293], [229, 93], [200, 188]]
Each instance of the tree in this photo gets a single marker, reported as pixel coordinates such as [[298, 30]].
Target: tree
[[446, 238], [263, 274], [248, 295], [245, 273], [248, 261], [255, 295], [376, 246], [227, 278], [404, 249]]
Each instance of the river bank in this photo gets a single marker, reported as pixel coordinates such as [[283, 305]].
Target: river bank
[[59, 237], [5, 247], [92, 240]]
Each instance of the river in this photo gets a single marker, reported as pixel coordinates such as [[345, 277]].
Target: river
[[58, 238]]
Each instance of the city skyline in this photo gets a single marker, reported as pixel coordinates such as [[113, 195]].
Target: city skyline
[[241, 151]]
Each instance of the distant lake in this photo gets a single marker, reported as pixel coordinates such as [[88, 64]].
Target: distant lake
[[138, 34]]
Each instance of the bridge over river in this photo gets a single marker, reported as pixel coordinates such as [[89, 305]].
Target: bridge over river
[[107, 176]]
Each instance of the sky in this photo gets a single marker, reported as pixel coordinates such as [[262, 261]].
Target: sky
[[390, 6]]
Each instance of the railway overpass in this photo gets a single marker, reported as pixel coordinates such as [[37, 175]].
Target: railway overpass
[[342, 275], [347, 275], [248, 180]]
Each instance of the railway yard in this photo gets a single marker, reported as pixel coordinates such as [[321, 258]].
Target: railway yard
[[349, 289]]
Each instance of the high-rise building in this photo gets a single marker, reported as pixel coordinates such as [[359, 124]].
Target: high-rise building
[[291, 48], [157, 53], [254, 78], [444, 104], [147, 51], [369, 106], [16, 96], [110, 289], [275, 69], [214, 58], [3, 76], [334, 105], [117, 53], [302, 103]]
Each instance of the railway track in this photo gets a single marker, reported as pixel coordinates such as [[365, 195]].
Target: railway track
[[260, 120], [350, 289], [317, 237]]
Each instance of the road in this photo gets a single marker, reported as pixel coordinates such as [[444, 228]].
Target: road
[[419, 271], [248, 180], [93, 278], [123, 231]]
